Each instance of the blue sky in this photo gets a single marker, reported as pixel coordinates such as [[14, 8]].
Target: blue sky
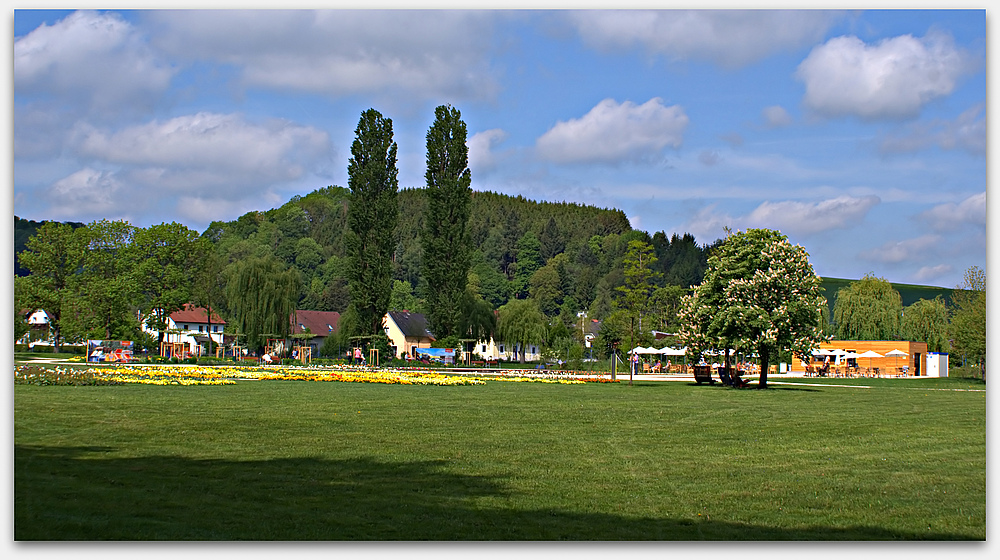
[[860, 135]]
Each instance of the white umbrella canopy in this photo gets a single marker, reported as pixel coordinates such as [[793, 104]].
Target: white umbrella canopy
[[673, 351], [895, 353], [869, 354]]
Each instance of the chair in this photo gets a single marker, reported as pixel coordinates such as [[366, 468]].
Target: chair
[[645, 367]]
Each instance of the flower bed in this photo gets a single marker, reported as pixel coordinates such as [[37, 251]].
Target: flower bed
[[227, 375]]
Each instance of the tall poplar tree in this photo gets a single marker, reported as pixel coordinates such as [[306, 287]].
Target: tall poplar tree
[[371, 219], [447, 250]]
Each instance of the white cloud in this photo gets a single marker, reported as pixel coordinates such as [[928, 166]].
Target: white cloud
[[806, 218], [929, 273], [966, 132], [615, 133], [776, 116], [709, 157], [86, 193], [729, 38], [790, 217], [99, 61], [915, 249], [951, 216], [482, 146], [209, 150], [340, 52], [892, 79]]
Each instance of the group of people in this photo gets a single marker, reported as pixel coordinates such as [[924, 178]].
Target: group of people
[[657, 367]]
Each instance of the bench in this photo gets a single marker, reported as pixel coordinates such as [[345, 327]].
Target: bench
[[703, 374]]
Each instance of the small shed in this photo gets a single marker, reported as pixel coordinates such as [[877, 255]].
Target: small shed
[[937, 364]]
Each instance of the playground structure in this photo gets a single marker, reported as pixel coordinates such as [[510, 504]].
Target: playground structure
[[304, 354], [177, 350]]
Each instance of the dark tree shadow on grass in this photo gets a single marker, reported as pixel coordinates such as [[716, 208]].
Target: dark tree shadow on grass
[[63, 493]]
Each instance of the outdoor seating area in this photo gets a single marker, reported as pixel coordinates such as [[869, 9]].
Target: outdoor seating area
[[862, 358]]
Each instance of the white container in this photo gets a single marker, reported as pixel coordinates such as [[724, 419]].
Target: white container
[[937, 364]]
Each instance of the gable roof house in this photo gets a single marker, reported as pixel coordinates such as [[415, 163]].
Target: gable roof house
[[407, 331], [319, 324], [191, 327]]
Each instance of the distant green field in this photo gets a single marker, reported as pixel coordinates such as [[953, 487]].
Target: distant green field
[[282, 460], [908, 293]]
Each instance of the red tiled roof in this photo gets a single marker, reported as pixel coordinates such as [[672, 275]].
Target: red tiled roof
[[192, 314], [319, 323]]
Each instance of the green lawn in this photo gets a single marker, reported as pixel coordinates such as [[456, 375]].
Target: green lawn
[[905, 459]]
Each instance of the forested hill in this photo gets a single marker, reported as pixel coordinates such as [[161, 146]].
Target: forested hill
[[908, 293], [567, 255], [576, 250], [24, 229]]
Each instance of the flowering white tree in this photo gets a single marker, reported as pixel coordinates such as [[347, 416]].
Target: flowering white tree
[[759, 294]]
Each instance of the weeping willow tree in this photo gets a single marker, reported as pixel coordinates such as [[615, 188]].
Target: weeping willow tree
[[521, 323], [261, 293], [927, 321], [868, 309]]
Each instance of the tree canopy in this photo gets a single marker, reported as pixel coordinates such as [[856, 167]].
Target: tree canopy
[[759, 294], [868, 309], [371, 218], [520, 322], [968, 319], [445, 239]]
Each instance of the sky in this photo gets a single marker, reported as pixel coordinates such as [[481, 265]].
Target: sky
[[861, 135]]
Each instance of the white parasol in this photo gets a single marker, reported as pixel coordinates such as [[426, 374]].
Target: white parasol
[[895, 353], [870, 354]]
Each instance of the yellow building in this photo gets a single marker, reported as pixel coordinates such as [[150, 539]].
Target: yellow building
[[913, 363]]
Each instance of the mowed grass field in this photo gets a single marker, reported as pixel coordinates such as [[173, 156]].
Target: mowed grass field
[[904, 459]]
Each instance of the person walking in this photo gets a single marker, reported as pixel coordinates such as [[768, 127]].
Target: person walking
[[357, 355]]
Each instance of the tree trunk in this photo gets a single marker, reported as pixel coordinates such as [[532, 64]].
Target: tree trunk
[[727, 375], [765, 358]]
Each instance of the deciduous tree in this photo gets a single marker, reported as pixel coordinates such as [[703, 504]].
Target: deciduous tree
[[759, 294], [53, 256], [968, 319], [868, 309], [107, 286], [520, 322], [261, 293], [927, 321], [445, 241], [371, 218], [165, 258]]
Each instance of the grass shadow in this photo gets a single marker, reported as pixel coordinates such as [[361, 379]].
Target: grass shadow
[[66, 493]]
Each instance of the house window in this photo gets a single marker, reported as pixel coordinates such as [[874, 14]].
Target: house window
[[501, 348], [187, 327], [483, 349], [201, 328], [215, 328], [534, 350]]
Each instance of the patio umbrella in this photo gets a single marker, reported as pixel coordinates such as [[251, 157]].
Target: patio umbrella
[[870, 354], [896, 353]]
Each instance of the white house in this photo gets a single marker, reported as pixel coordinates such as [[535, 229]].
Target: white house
[[191, 328], [406, 331]]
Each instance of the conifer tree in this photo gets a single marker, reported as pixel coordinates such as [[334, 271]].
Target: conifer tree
[[371, 218], [447, 251]]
